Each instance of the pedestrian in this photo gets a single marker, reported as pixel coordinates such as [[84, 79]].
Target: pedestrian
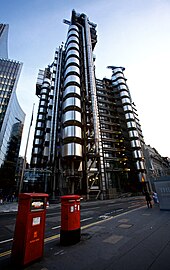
[[148, 199], [155, 197]]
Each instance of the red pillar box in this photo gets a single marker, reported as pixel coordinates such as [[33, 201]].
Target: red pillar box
[[70, 220], [28, 243]]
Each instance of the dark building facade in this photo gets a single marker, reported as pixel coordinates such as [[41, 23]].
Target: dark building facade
[[87, 132], [11, 115], [156, 165]]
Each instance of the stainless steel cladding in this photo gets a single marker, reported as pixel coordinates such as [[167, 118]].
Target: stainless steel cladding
[[72, 38], [73, 52], [72, 69], [72, 60], [92, 89], [136, 144], [119, 81], [53, 112], [137, 154], [73, 116], [131, 125], [74, 79], [46, 151], [126, 100], [42, 111], [71, 107], [72, 101], [71, 89], [127, 108], [72, 149], [140, 165], [72, 131], [124, 93], [72, 45], [129, 116], [133, 134]]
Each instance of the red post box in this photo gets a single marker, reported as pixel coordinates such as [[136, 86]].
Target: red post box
[[70, 220], [28, 243]]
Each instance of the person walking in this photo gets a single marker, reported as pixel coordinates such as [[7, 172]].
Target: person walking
[[155, 198], [148, 199]]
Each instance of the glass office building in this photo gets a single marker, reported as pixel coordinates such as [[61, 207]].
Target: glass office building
[[11, 116], [87, 131], [4, 40]]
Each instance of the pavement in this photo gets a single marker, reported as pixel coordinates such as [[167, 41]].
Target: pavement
[[135, 240]]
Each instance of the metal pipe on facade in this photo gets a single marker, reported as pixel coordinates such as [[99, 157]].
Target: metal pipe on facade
[[92, 85]]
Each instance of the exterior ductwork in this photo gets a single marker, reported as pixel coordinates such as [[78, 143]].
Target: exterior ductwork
[[92, 86]]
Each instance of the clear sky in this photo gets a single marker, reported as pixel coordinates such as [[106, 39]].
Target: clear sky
[[134, 34]]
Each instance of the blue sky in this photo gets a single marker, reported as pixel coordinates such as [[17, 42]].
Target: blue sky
[[134, 34]]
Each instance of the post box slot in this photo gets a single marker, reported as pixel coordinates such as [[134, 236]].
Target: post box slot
[[37, 204]]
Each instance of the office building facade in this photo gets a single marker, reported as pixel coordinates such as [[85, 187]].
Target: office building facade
[[87, 131], [4, 40], [11, 115]]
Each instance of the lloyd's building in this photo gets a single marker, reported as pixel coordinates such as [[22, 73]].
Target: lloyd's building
[[88, 138]]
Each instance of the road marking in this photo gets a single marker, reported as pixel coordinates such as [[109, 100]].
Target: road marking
[[57, 227], [53, 237], [5, 241], [104, 216], [5, 253], [112, 217], [119, 210], [85, 219], [132, 206], [125, 226], [90, 208]]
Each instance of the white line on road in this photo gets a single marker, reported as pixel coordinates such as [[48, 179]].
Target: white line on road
[[57, 227], [86, 219], [5, 241], [90, 208], [119, 210]]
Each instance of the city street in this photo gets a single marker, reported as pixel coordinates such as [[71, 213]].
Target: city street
[[91, 212], [118, 234]]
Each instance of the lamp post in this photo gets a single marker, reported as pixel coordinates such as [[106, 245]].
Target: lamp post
[[24, 161]]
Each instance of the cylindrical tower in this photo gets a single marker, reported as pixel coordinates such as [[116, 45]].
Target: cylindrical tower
[[71, 109], [132, 121], [38, 151]]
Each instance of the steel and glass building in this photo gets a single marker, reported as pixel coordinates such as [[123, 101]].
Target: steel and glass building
[[11, 115], [87, 130], [4, 40]]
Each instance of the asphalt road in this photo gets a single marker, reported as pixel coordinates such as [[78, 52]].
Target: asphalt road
[[91, 212]]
